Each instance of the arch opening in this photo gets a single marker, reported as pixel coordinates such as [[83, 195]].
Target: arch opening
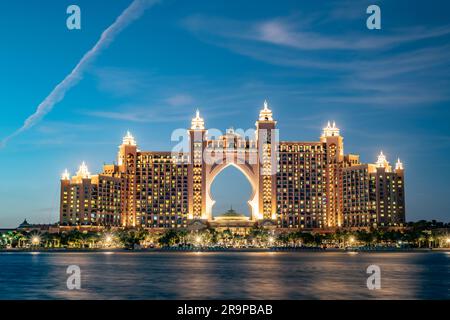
[[231, 188]]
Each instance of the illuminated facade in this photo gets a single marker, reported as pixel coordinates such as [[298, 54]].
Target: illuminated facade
[[373, 194], [92, 199], [294, 184]]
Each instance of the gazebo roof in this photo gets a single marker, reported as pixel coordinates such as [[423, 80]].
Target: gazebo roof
[[24, 224]]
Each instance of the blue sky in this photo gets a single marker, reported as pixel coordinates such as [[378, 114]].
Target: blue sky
[[314, 61]]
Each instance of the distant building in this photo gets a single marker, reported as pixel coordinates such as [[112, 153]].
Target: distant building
[[5, 230], [231, 215], [92, 199], [27, 227], [295, 184], [373, 194], [237, 223]]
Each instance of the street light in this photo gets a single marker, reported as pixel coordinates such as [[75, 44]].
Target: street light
[[108, 240], [35, 240], [351, 240]]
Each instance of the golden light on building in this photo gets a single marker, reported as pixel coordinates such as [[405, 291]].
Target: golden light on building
[[330, 130], [197, 123], [65, 175], [129, 140], [295, 184], [399, 165], [381, 161], [83, 171], [265, 114]]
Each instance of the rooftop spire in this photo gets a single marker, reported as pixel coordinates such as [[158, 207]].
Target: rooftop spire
[[197, 123], [399, 165], [265, 114], [330, 131], [83, 171], [65, 175], [129, 139], [381, 161]]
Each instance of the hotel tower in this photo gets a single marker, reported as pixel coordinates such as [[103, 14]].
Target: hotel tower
[[295, 184]]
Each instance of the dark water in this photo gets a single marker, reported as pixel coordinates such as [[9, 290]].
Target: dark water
[[238, 275]]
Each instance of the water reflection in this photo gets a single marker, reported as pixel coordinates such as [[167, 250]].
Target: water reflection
[[233, 275]]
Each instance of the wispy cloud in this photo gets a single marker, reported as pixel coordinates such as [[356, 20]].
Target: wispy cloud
[[180, 100], [131, 13], [153, 114], [288, 32], [122, 81], [58, 127], [393, 70]]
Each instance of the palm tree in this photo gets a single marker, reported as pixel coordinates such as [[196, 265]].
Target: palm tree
[[227, 235], [169, 238], [74, 238], [19, 239], [92, 239], [317, 239], [260, 235], [9, 238], [339, 236], [365, 237], [214, 235], [183, 234], [141, 234], [56, 240], [46, 239], [152, 238], [283, 238], [307, 238]]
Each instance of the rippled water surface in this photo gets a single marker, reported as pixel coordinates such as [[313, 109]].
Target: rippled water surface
[[225, 275]]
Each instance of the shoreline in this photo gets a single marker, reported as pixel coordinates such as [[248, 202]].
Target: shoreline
[[224, 250]]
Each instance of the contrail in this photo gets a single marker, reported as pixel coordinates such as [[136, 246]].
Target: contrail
[[131, 13]]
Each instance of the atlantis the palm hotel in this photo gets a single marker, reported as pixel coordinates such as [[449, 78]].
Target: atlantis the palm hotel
[[295, 184]]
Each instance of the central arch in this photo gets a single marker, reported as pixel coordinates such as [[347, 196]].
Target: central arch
[[249, 171], [231, 189]]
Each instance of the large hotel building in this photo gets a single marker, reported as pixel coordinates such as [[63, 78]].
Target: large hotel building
[[295, 184]]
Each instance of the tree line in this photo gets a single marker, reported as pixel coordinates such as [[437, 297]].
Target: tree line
[[416, 234]]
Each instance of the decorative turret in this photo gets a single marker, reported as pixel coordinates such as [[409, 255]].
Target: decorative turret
[[230, 131], [65, 175], [267, 144], [381, 161], [129, 139], [128, 146], [265, 114], [83, 171], [197, 143], [330, 131], [197, 123], [399, 165]]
